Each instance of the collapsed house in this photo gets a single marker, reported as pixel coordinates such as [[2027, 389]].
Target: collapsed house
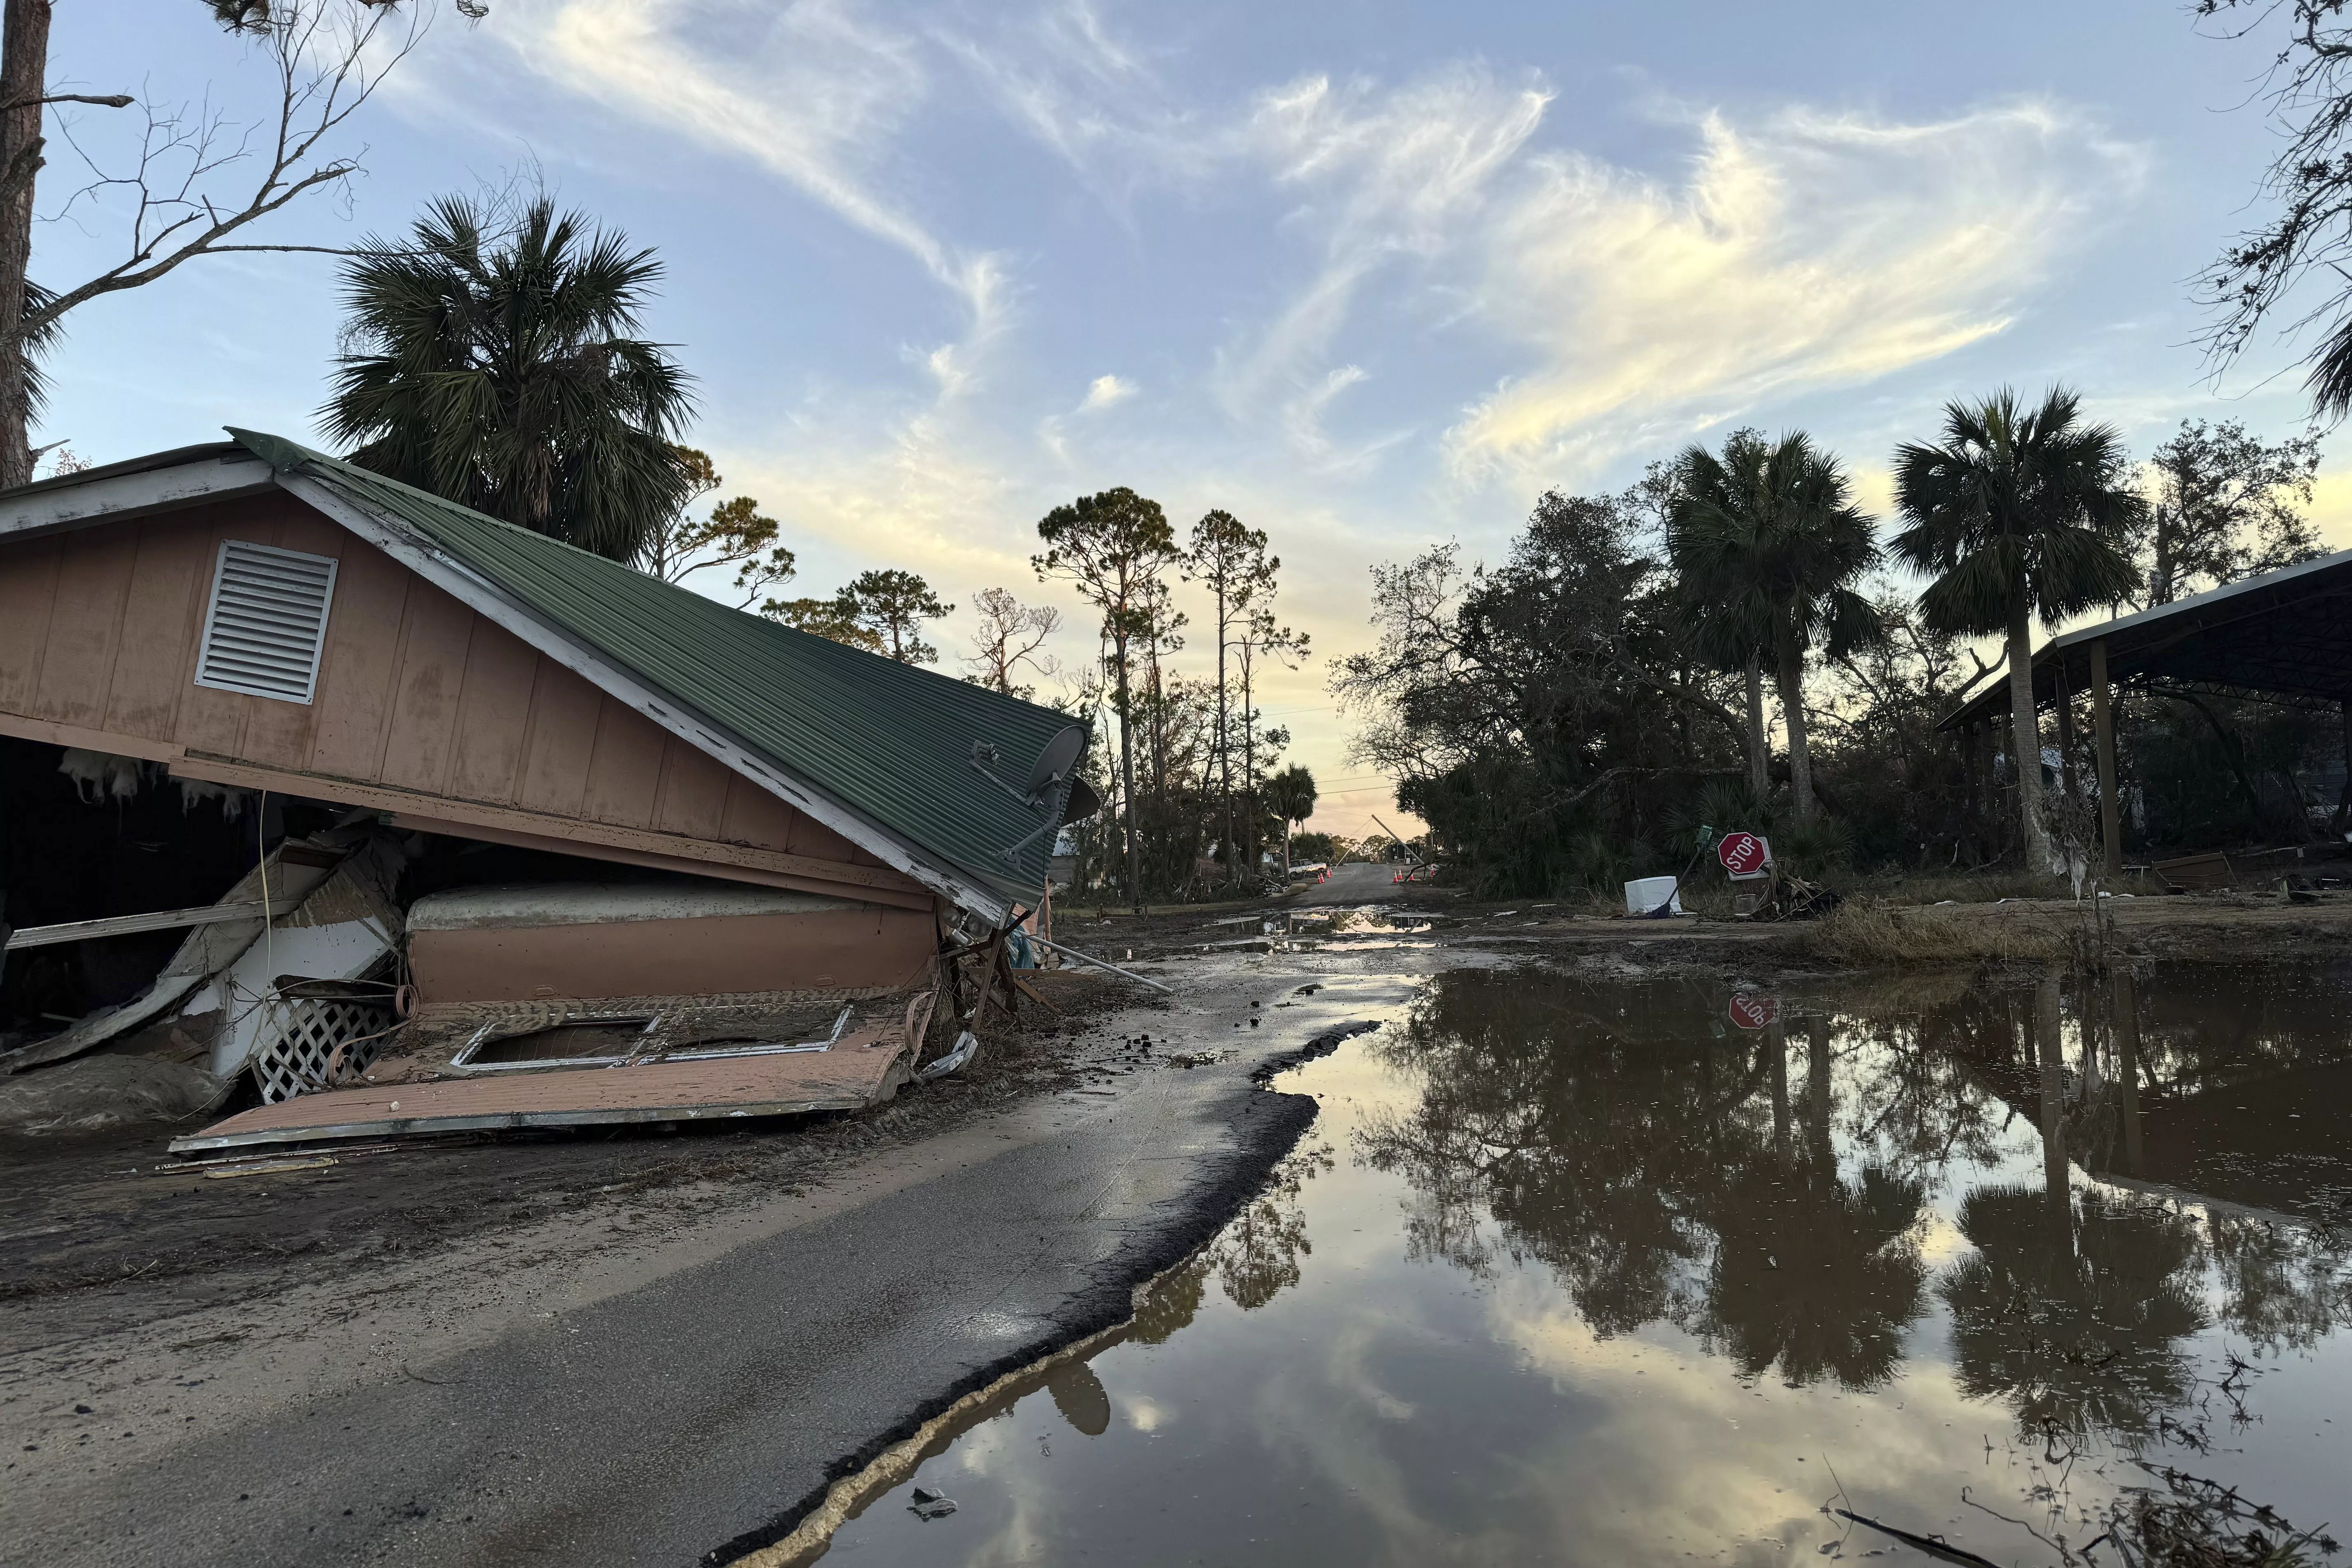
[[379, 815]]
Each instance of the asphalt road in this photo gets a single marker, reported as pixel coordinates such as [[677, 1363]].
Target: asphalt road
[[692, 1417], [1355, 883]]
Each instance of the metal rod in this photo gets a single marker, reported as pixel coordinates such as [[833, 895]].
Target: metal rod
[[1098, 963]]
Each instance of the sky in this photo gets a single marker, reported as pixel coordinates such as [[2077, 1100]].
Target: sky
[[1369, 276]]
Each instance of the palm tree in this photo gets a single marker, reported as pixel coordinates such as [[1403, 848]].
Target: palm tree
[[2019, 513], [498, 371], [1291, 793], [1768, 539]]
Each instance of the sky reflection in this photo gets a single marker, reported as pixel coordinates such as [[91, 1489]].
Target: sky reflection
[[1584, 1272]]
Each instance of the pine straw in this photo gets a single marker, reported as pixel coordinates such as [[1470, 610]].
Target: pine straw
[[1866, 933]]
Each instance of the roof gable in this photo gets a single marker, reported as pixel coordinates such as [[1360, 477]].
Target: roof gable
[[892, 743]]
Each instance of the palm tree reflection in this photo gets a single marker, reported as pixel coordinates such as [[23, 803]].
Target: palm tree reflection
[[2075, 1319]]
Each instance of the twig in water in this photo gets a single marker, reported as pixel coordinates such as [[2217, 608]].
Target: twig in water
[[2018, 1522], [1929, 1544]]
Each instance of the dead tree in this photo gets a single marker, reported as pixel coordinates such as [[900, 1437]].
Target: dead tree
[[197, 182]]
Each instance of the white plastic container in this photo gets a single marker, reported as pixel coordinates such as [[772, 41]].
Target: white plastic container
[[1647, 894]]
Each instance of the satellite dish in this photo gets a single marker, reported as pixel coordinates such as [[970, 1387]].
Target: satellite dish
[[1056, 759]]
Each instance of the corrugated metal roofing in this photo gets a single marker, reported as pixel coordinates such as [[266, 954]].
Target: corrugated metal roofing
[[889, 741]]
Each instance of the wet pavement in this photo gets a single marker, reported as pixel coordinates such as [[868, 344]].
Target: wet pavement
[[1583, 1271]]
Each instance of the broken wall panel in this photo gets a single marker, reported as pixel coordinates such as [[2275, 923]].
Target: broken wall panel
[[494, 944], [851, 1075]]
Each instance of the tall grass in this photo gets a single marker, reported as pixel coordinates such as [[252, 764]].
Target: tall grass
[[1869, 932]]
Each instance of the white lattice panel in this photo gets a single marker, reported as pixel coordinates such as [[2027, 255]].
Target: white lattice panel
[[300, 1036]]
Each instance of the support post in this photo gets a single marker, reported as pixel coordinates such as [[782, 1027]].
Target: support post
[[2344, 796], [2102, 723], [2065, 727], [1969, 809]]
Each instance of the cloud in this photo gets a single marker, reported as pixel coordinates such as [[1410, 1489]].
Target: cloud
[[1376, 175], [1811, 251], [812, 92], [1104, 390]]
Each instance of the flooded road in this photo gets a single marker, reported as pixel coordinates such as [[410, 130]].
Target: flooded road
[[1585, 1272]]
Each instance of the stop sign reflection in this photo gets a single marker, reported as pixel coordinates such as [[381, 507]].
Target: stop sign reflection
[[1754, 1011]]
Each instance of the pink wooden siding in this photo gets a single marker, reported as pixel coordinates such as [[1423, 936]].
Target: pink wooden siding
[[98, 631]]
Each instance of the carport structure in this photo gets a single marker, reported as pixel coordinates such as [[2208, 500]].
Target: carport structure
[[2284, 636]]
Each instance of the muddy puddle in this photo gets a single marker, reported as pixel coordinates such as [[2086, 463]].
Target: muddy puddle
[[1617, 1273]]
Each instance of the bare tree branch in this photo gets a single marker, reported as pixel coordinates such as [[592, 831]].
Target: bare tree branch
[[328, 57], [106, 100]]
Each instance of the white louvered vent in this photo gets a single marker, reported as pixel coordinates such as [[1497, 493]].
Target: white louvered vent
[[267, 621]]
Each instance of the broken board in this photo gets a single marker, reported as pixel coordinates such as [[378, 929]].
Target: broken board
[[842, 1078]]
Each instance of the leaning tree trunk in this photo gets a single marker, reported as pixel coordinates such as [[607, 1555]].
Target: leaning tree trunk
[[2025, 734], [23, 76], [1793, 715], [1759, 744]]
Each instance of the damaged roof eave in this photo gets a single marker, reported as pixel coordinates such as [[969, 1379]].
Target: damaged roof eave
[[219, 470], [470, 588]]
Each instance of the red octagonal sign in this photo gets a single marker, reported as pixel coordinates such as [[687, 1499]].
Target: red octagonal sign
[[1742, 854], [1754, 1011]]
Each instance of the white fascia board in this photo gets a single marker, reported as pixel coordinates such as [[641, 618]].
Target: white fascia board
[[486, 598], [131, 495]]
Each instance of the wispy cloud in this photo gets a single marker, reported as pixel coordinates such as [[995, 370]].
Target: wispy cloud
[[1104, 390], [1376, 174], [812, 91], [1810, 250]]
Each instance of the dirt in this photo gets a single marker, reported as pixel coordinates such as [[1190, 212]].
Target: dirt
[[107, 1231]]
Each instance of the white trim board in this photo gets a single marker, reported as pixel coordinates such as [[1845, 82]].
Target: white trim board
[[132, 495]]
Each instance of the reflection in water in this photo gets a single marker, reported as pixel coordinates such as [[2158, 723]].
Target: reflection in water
[[1617, 1136], [2075, 1319], [1941, 1235]]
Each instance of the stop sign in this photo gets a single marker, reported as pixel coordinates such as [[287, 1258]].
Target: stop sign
[[1754, 1011], [1742, 854]]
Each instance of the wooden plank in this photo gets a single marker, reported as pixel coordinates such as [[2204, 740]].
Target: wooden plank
[[620, 855], [625, 773], [857, 1071], [435, 635], [753, 815], [25, 728], [161, 621], [129, 925], [85, 626], [2198, 871], [417, 804], [359, 662], [559, 741], [28, 587], [493, 715], [693, 796]]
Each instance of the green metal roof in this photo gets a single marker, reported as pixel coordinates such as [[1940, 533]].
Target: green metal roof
[[891, 742]]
